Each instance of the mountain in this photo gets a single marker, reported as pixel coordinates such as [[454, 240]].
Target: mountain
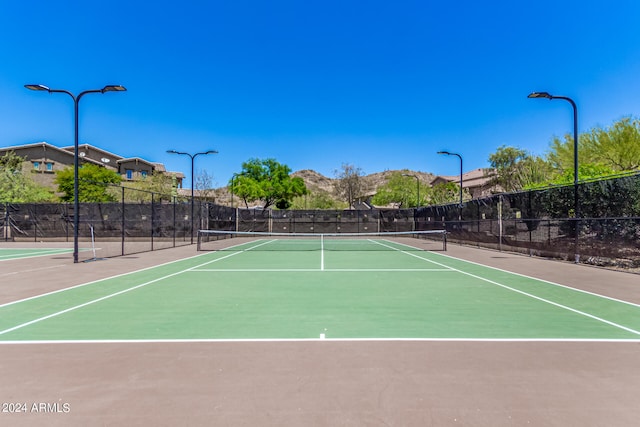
[[315, 181], [318, 183]]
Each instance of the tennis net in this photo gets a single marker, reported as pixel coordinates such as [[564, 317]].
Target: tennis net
[[219, 240]]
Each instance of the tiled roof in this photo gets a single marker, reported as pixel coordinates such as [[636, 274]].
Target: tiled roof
[[475, 178]]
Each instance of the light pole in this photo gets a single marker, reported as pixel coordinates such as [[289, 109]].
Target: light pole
[[460, 157], [76, 101], [417, 187], [193, 157], [576, 201]]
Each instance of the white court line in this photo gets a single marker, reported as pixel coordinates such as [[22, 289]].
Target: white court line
[[303, 340], [545, 281], [287, 270], [411, 253], [36, 254], [115, 293], [256, 246], [321, 252], [236, 253], [13, 273], [114, 277], [58, 313], [98, 281], [591, 316], [522, 275]]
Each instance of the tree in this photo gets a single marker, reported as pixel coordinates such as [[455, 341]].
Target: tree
[[269, 181], [514, 169], [316, 200], [533, 172], [586, 172], [159, 184], [204, 185], [400, 190], [616, 148], [349, 185], [444, 193], [17, 187], [505, 162], [93, 183], [11, 162], [560, 156]]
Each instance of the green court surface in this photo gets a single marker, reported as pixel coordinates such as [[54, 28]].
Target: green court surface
[[257, 290], [12, 253]]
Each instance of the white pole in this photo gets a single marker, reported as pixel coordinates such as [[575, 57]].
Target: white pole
[[93, 242]]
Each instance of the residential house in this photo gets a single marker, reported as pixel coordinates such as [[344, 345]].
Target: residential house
[[477, 182], [43, 160]]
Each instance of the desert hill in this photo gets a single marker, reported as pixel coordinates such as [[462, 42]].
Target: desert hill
[[318, 183]]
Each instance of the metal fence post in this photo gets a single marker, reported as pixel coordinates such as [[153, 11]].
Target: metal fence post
[[153, 209], [123, 222]]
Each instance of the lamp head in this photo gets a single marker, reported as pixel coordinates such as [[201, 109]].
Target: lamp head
[[444, 152], [114, 88], [37, 87], [540, 95]]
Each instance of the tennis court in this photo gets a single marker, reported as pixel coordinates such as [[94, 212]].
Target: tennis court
[[340, 313], [270, 288]]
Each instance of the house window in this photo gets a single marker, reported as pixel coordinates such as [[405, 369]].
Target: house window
[[129, 173], [49, 167], [143, 174], [36, 166]]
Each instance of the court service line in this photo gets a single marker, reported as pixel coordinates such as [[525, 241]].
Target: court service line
[[40, 319], [303, 340], [257, 246], [411, 254], [493, 282]]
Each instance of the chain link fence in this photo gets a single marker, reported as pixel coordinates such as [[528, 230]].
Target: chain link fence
[[606, 231], [141, 221], [310, 221]]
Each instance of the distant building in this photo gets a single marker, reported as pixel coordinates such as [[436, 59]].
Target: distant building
[[477, 182], [43, 160]]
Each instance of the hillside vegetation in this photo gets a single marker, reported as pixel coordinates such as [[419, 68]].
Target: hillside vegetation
[[320, 185]]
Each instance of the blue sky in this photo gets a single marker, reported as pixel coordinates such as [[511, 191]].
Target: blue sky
[[315, 84]]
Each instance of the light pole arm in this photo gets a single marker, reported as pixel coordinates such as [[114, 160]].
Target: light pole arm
[[193, 158], [448, 153], [575, 135], [576, 197], [460, 157]]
